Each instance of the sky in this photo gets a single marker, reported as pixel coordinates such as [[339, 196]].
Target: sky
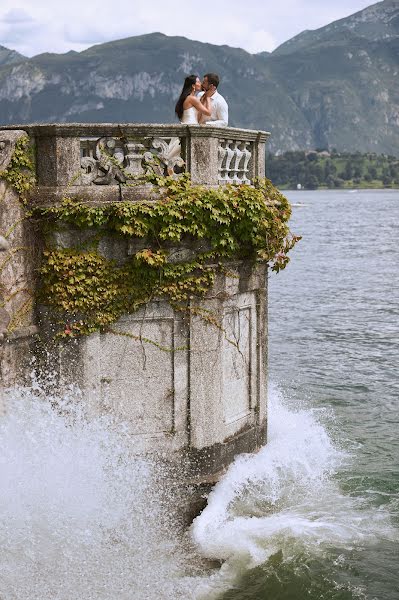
[[35, 26]]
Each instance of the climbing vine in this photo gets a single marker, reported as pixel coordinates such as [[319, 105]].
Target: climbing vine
[[20, 172], [90, 292], [20, 175]]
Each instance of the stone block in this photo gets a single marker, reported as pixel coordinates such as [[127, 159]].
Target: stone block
[[138, 373], [17, 351], [8, 139], [225, 370], [237, 364], [19, 252], [203, 160], [57, 160]]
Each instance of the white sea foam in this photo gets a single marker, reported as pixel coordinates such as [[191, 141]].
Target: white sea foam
[[284, 498], [80, 517]]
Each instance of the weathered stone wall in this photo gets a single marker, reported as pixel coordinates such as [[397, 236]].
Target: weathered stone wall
[[181, 383], [18, 254]]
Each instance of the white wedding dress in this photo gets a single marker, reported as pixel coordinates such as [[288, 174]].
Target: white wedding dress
[[190, 116]]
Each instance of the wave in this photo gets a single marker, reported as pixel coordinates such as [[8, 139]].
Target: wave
[[80, 516], [284, 501]]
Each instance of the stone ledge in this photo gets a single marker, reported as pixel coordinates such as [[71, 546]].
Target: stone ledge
[[207, 464], [97, 130], [51, 195], [22, 332]]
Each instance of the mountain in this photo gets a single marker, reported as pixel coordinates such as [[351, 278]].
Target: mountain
[[344, 79], [379, 22], [139, 79], [335, 87], [9, 56]]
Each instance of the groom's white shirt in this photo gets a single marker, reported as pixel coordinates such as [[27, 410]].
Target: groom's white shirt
[[219, 111]]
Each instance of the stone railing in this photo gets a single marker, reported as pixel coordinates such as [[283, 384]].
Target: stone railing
[[77, 155]]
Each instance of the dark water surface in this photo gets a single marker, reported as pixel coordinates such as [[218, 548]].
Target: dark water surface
[[334, 357], [334, 325]]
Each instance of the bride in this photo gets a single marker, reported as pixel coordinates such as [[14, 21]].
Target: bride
[[188, 107]]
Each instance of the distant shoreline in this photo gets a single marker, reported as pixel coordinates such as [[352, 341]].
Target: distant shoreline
[[324, 169], [343, 189]]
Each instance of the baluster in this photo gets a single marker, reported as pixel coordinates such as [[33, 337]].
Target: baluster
[[237, 160], [222, 153], [247, 157], [229, 157]]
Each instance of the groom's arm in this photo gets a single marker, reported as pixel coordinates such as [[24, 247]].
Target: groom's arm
[[222, 114]]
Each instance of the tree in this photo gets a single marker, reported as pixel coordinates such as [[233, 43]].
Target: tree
[[329, 168], [372, 172], [357, 172], [311, 182], [339, 183], [330, 181], [348, 171]]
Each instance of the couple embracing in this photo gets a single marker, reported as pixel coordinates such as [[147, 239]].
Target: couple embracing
[[200, 103]]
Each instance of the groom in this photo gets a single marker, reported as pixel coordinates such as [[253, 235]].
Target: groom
[[218, 105]]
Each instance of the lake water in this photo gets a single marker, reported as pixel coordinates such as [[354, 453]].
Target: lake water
[[314, 515], [318, 514]]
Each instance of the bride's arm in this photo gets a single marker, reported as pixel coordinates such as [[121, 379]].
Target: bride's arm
[[203, 108]]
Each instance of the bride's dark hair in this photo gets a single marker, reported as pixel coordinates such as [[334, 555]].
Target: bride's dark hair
[[186, 91]]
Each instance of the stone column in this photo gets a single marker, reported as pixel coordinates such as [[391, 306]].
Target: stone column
[[57, 157], [228, 371], [258, 162], [202, 155]]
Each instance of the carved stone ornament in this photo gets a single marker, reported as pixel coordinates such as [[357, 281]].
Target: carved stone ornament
[[103, 164], [166, 160], [111, 160]]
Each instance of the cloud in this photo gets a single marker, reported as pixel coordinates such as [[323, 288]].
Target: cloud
[[16, 16], [19, 30], [260, 40], [49, 26], [82, 34]]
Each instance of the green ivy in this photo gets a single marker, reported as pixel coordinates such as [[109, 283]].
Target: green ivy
[[235, 222], [20, 172]]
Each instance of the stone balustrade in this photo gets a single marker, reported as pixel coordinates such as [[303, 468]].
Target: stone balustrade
[[82, 155]]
